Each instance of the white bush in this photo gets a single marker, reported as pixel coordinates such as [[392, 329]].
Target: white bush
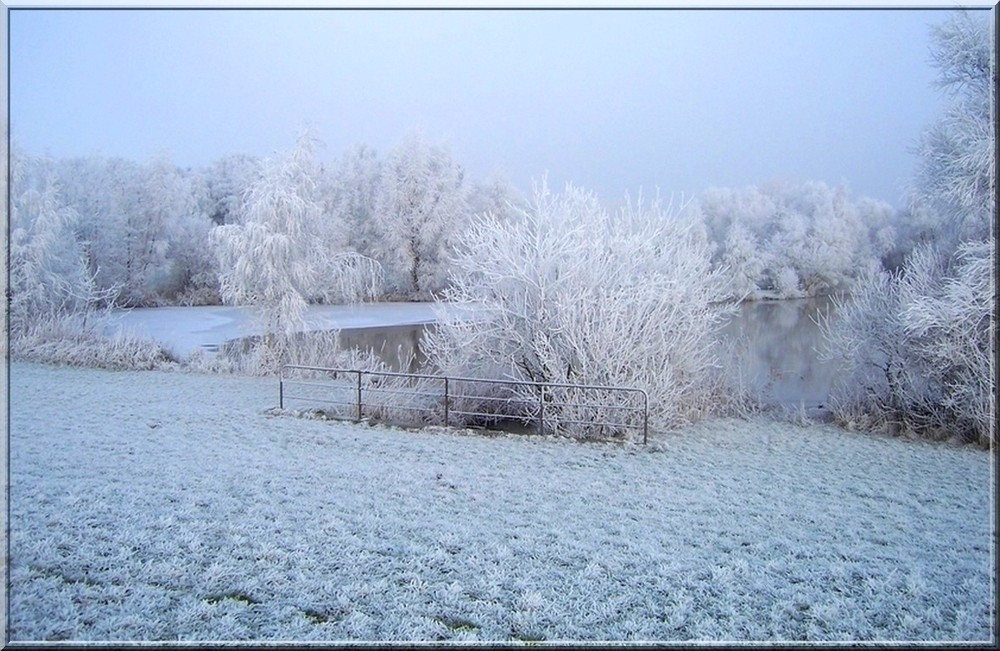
[[77, 339], [569, 293], [880, 382], [952, 327], [917, 346]]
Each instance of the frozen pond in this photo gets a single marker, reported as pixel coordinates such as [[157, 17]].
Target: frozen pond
[[776, 341], [187, 329]]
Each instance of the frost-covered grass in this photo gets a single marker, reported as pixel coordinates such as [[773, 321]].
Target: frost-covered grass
[[169, 505]]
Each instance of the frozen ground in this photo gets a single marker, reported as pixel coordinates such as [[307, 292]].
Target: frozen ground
[[186, 329], [164, 506]]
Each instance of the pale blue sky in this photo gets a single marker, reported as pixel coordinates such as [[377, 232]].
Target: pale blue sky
[[615, 101]]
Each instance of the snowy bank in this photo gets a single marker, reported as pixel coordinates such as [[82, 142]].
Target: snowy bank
[[165, 506]]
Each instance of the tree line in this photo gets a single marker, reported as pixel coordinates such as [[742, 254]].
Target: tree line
[[575, 290]]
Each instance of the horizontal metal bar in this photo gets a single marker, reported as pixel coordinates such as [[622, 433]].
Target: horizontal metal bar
[[375, 405], [456, 378], [469, 396], [593, 406], [355, 371], [492, 415], [595, 423], [311, 399], [307, 383], [404, 392]]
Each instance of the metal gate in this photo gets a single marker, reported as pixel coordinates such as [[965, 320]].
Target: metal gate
[[435, 399]]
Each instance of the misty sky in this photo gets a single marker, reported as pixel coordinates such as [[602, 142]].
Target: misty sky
[[615, 101]]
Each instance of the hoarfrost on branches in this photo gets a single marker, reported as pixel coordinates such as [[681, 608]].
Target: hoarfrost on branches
[[791, 240], [280, 255], [933, 323], [420, 208], [569, 293]]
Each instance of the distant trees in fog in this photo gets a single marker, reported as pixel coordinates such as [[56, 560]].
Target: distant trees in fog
[[143, 228], [788, 240], [421, 206]]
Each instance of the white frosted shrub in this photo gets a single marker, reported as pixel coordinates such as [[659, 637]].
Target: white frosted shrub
[[569, 293], [77, 339], [917, 346], [880, 380], [953, 330]]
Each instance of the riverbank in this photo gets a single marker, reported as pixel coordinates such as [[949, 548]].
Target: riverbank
[[171, 505]]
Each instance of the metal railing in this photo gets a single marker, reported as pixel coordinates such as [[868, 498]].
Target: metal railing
[[391, 396]]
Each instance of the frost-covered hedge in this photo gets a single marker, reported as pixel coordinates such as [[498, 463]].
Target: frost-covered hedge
[[917, 347]]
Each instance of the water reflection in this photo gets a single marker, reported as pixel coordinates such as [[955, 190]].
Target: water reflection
[[773, 345], [397, 346]]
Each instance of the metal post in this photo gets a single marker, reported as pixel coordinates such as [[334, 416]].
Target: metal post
[[446, 402], [541, 409], [645, 416], [281, 392], [359, 394]]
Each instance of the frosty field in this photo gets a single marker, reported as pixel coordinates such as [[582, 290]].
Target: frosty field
[[165, 506]]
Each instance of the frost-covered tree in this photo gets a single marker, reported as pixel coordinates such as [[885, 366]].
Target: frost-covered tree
[[797, 239], [48, 275], [745, 259], [496, 196], [935, 318], [566, 292], [102, 191], [421, 206], [275, 257], [957, 173], [228, 179], [354, 186], [143, 227], [194, 267]]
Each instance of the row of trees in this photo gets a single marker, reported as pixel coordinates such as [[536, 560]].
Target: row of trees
[[788, 240], [108, 230], [143, 230]]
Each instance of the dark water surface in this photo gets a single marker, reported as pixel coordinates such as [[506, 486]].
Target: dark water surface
[[775, 349]]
